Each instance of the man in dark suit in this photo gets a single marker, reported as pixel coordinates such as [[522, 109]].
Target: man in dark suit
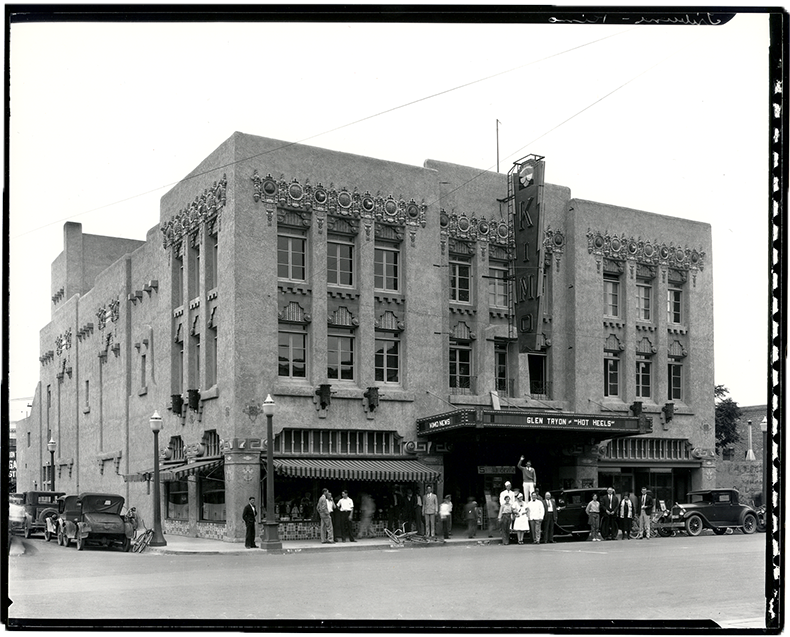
[[549, 518], [609, 514], [248, 515], [645, 511]]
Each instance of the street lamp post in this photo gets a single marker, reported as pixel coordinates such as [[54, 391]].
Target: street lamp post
[[271, 538], [750, 450], [766, 461], [159, 538], [51, 446]]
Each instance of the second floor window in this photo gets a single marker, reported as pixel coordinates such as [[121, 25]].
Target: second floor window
[[292, 353], [675, 380], [340, 262], [340, 356], [291, 257], [387, 362], [611, 376], [643, 377], [460, 367], [501, 367], [674, 305], [387, 268], [461, 281], [611, 296]]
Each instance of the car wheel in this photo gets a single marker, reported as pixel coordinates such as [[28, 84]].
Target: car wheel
[[719, 531], [694, 525], [749, 523], [664, 532], [80, 543], [127, 545]]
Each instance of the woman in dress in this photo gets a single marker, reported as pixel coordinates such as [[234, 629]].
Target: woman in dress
[[594, 517], [520, 518]]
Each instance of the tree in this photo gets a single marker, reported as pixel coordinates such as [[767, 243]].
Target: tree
[[728, 415]]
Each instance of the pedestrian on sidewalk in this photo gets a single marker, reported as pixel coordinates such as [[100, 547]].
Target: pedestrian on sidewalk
[[470, 515], [492, 510], [609, 518], [366, 508], [430, 507], [446, 516], [594, 518], [325, 506], [626, 515], [505, 517], [346, 514], [536, 513], [549, 519], [520, 518], [248, 515]]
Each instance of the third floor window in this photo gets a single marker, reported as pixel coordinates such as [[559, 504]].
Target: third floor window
[[340, 261], [291, 262]]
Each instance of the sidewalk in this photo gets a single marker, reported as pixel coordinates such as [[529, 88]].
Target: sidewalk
[[181, 545]]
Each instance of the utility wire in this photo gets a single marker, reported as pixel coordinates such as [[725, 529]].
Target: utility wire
[[332, 130]]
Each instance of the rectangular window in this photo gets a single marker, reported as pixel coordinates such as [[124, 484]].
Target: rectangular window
[[292, 353], [611, 296], [194, 367], [674, 306], [142, 370], [291, 259], [498, 284], [501, 375], [87, 393], [340, 261], [387, 361], [211, 357], [644, 294], [387, 269], [211, 261], [340, 357], [538, 378], [212, 496], [611, 376], [194, 271], [178, 281], [461, 281], [460, 368], [643, 369], [674, 381], [177, 494]]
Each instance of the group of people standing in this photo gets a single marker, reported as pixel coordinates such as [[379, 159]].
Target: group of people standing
[[611, 514], [535, 515], [335, 517]]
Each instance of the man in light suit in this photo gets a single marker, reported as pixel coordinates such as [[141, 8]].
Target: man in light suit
[[609, 505], [645, 511], [248, 515]]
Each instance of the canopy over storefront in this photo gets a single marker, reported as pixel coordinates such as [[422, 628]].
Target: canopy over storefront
[[170, 473], [601, 426], [363, 470]]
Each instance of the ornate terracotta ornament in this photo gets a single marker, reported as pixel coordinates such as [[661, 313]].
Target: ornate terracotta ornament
[[204, 210], [645, 252]]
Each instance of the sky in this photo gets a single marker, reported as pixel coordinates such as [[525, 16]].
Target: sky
[[106, 118]]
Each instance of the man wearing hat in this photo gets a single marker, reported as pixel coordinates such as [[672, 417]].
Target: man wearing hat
[[507, 492]]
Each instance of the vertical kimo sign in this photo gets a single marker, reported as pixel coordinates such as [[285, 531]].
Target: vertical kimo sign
[[527, 184]]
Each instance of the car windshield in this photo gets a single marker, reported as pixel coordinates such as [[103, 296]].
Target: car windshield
[[102, 504]]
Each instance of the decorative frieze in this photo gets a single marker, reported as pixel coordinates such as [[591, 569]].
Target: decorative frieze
[[390, 322], [203, 211], [643, 251]]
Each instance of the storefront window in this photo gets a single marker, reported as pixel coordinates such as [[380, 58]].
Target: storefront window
[[212, 496], [177, 500]]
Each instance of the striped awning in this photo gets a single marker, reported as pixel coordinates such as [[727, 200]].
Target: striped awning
[[365, 470], [174, 472]]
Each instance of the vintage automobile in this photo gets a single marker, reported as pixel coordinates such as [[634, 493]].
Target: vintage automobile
[[572, 511], [717, 509], [16, 515], [39, 505], [91, 519]]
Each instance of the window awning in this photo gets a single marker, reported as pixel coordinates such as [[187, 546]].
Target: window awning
[[364, 470], [176, 472]]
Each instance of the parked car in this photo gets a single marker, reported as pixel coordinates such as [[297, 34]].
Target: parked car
[[719, 510], [39, 505], [92, 519], [572, 511], [16, 515]]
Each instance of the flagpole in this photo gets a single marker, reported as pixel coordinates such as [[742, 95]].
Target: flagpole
[[497, 145]]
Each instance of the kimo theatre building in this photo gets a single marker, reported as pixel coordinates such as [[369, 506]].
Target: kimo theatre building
[[485, 444]]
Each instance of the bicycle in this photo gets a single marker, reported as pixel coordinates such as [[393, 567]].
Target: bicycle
[[401, 535], [141, 541]]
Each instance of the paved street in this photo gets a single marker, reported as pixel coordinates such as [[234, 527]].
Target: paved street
[[681, 578]]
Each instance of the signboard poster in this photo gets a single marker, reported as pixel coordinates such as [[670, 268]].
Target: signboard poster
[[528, 267]]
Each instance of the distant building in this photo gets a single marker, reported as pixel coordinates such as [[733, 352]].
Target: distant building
[[374, 301], [736, 467], [12, 457]]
